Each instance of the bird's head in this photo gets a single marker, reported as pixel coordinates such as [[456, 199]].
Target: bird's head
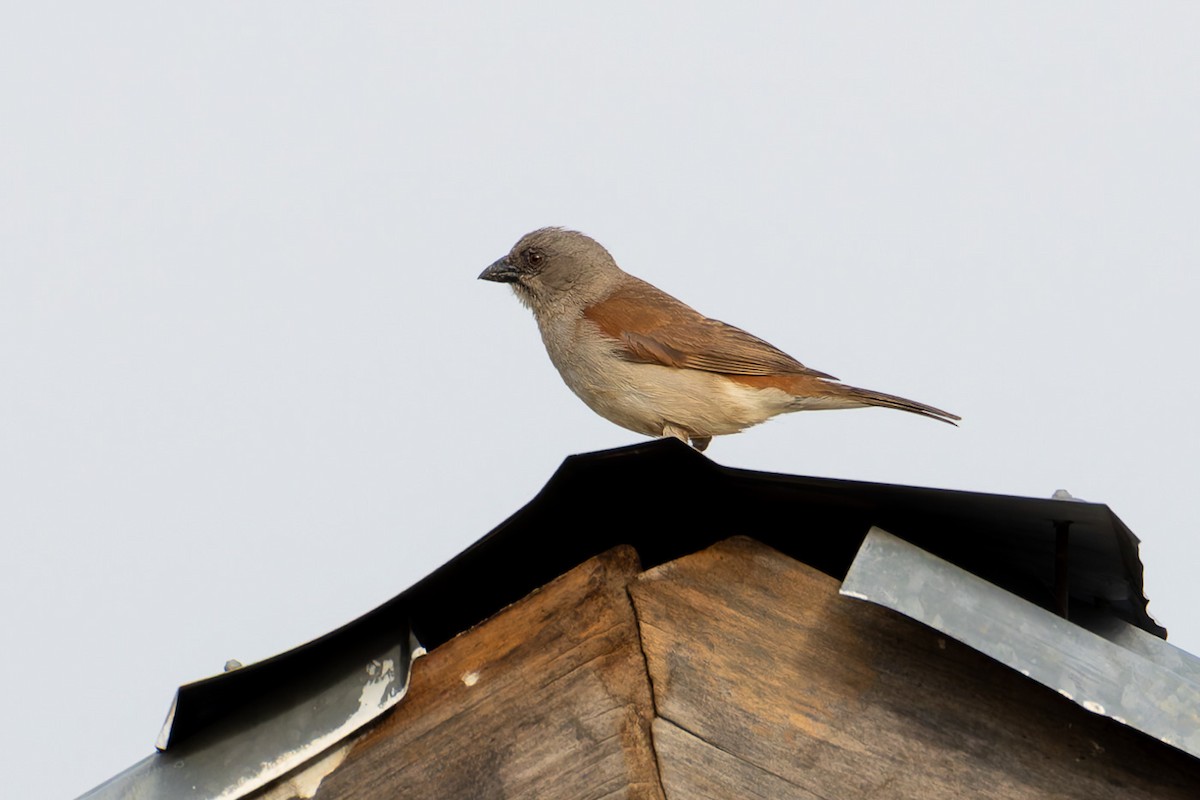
[[552, 267]]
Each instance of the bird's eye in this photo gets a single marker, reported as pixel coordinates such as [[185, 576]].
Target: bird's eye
[[534, 257]]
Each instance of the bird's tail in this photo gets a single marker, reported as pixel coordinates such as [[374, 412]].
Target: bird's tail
[[869, 397]]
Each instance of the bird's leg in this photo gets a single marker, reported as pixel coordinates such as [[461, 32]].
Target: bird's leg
[[684, 435], [679, 433]]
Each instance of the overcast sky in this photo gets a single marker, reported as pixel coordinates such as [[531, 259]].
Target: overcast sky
[[250, 386]]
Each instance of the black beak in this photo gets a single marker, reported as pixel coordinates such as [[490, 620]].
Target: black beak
[[501, 272]]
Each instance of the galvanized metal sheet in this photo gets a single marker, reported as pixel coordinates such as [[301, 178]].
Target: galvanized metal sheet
[[1121, 672], [238, 754]]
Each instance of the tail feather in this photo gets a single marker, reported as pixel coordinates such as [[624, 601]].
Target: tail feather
[[816, 393], [870, 397]]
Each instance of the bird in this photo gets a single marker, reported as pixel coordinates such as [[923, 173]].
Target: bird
[[651, 363]]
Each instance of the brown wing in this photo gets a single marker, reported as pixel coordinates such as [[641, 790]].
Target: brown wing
[[655, 328]]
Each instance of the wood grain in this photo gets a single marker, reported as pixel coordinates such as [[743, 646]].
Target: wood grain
[[547, 699], [757, 656], [693, 769]]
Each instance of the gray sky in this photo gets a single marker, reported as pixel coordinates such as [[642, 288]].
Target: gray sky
[[251, 387]]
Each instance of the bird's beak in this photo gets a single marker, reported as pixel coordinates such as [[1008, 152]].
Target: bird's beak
[[500, 271]]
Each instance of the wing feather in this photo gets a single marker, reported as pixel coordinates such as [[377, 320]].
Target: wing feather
[[654, 328]]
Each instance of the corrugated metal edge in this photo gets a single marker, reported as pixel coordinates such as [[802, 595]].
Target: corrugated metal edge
[[1090, 670]]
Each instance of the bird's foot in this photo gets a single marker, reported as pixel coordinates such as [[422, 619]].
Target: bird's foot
[[684, 435]]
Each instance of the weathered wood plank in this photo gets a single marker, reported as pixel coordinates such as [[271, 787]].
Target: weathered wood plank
[[757, 655], [547, 699], [692, 769]]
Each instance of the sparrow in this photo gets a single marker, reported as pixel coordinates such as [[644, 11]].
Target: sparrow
[[650, 363]]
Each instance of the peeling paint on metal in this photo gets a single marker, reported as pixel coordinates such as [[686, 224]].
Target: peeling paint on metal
[[380, 674], [241, 754], [304, 783], [373, 698]]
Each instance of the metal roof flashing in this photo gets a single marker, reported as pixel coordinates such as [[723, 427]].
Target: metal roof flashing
[[1113, 669], [1052, 554]]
